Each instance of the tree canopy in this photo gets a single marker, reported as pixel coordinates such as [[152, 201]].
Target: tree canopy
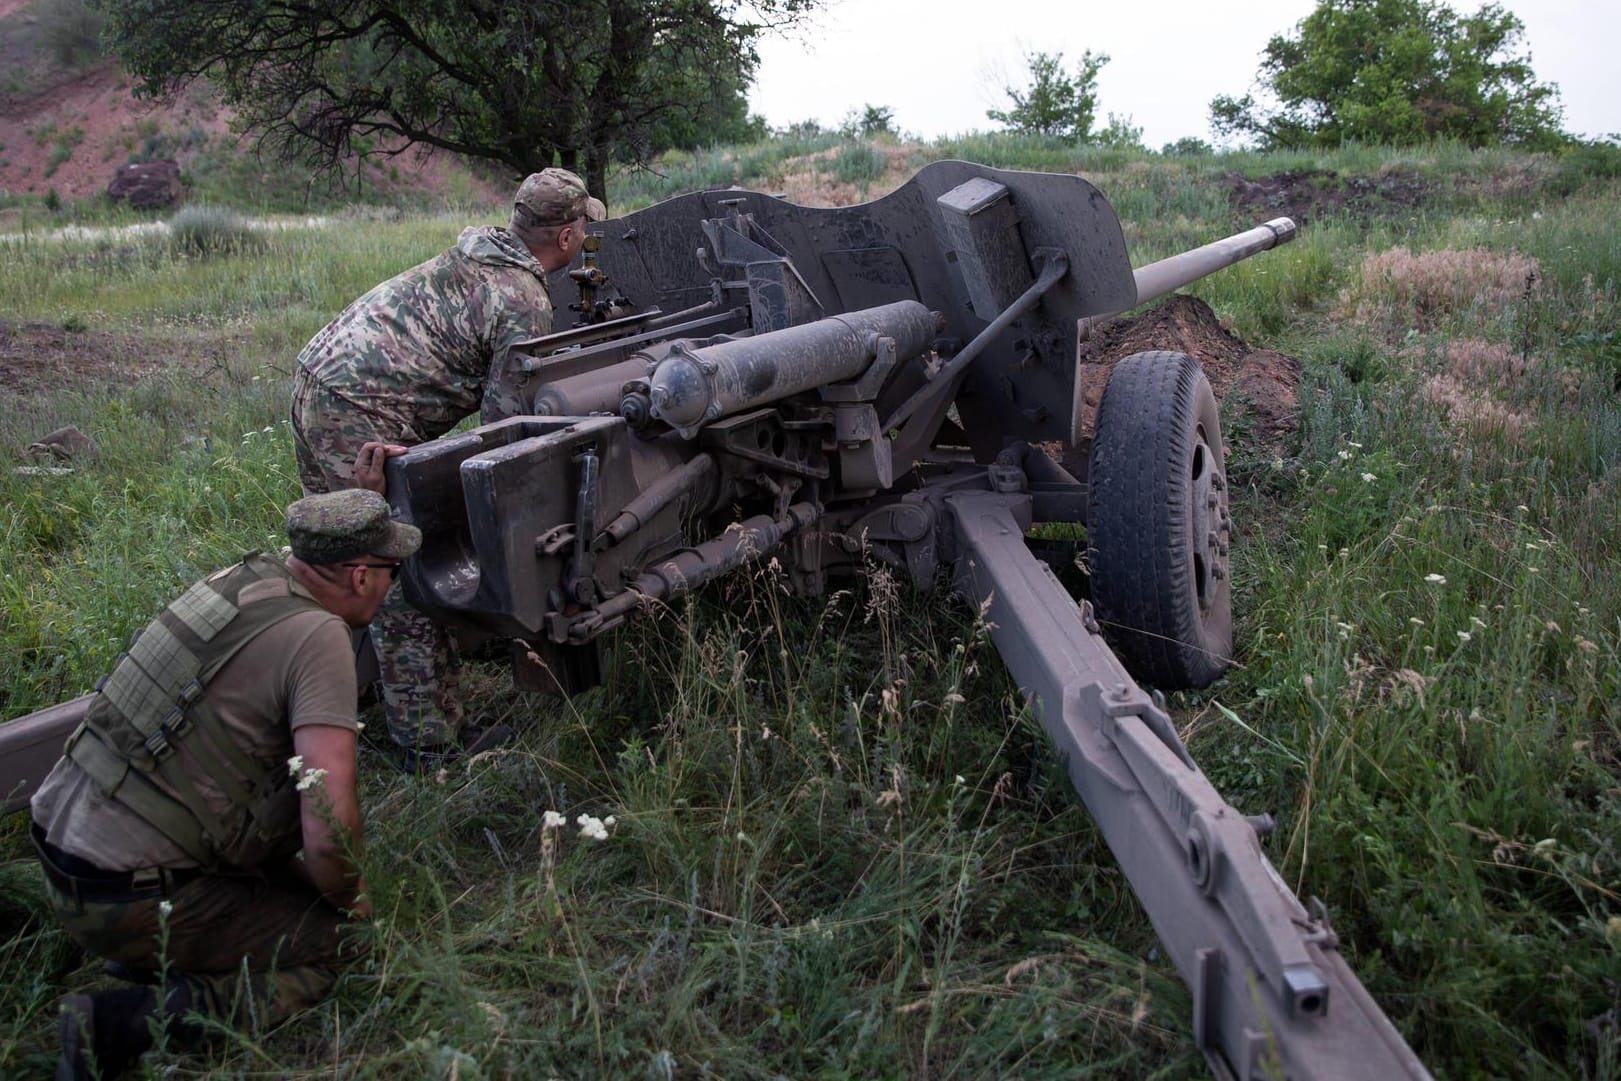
[[525, 83], [1053, 102], [1396, 71]]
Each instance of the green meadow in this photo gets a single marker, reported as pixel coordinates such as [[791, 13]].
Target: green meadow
[[839, 846]]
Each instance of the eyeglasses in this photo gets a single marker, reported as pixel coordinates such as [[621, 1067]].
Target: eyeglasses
[[393, 569]]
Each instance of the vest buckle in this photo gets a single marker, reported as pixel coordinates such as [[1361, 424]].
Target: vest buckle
[[171, 728], [192, 691]]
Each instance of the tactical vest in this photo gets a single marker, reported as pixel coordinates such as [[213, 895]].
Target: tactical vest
[[149, 731]]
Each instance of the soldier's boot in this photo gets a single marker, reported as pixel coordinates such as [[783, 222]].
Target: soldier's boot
[[473, 740], [104, 1033]]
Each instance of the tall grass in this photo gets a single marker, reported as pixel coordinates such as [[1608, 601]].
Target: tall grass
[[839, 848]]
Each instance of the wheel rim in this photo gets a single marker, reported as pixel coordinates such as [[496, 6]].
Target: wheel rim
[[1210, 524]]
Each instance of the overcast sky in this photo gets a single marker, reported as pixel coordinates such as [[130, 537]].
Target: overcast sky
[[940, 64]]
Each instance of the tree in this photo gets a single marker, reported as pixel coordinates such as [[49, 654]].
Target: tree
[[1187, 146], [1121, 134], [1396, 71], [868, 121], [1053, 103], [525, 83]]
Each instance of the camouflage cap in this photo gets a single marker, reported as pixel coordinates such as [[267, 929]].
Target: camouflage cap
[[554, 197], [333, 527]]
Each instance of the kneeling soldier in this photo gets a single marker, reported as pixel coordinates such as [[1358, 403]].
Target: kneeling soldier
[[203, 818]]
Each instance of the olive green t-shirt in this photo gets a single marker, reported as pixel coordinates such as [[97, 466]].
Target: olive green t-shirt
[[299, 671]]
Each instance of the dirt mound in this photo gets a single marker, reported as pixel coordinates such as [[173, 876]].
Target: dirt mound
[[1256, 387], [42, 357], [1311, 194]]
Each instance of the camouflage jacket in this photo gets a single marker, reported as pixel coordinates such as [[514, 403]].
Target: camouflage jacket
[[420, 348]]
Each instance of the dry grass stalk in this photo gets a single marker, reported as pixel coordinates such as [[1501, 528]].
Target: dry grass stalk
[[1400, 289]]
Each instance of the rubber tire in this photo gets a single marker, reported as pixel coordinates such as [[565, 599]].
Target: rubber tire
[[1158, 525]]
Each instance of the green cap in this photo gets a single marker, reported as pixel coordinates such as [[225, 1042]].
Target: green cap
[[334, 527], [554, 197]]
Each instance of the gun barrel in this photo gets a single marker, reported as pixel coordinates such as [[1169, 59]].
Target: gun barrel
[[1168, 275], [694, 385]]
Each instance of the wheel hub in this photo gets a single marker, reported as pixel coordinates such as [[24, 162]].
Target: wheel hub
[[1211, 525]]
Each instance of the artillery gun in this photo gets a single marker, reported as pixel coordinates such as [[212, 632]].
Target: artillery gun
[[744, 379]]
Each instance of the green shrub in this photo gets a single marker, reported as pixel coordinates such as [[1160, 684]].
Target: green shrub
[[70, 31], [1584, 163], [211, 230], [859, 164]]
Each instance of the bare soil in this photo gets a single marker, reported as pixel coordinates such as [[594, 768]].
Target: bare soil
[[38, 358], [1257, 388], [96, 121], [1310, 194]]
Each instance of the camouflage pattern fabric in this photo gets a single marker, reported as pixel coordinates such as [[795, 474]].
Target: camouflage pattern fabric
[[254, 950], [416, 657], [554, 197], [403, 364], [416, 351], [331, 527]]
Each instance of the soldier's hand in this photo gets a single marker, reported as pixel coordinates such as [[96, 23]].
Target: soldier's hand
[[369, 465]]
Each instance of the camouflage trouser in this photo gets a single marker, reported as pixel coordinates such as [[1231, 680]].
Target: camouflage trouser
[[253, 950], [417, 657]]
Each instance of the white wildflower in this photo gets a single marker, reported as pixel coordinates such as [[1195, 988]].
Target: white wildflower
[[1353, 443], [295, 765], [1464, 636], [1479, 624], [1368, 478], [609, 821], [958, 781], [1436, 579], [311, 778], [1345, 456], [1415, 621], [591, 828], [165, 907], [551, 820]]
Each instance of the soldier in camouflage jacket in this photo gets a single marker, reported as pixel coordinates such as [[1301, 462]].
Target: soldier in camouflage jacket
[[404, 364]]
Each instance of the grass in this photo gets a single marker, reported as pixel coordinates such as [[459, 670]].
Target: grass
[[840, 848]]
